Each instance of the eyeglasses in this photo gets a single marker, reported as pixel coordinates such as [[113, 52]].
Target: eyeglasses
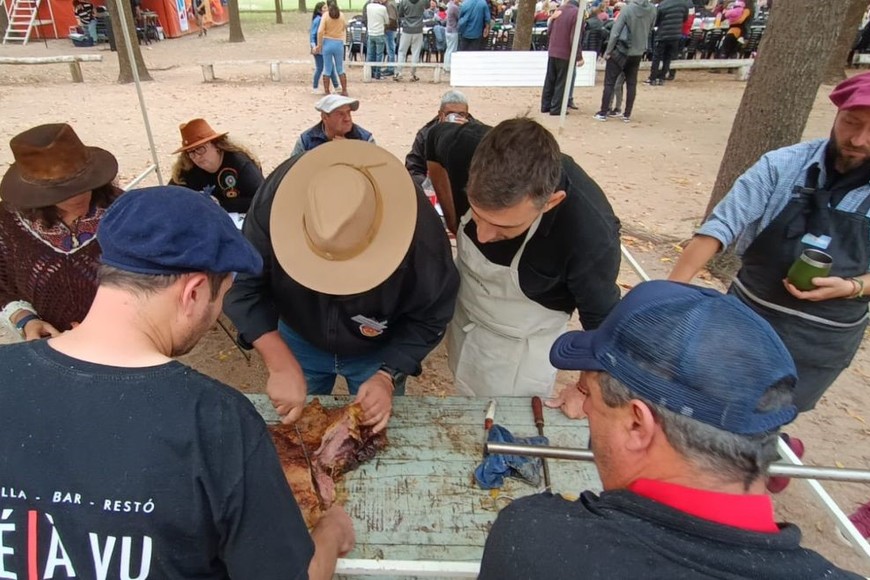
[[198, 152]]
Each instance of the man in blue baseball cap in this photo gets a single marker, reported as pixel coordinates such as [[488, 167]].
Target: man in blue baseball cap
[[116, 460], [685, 390]]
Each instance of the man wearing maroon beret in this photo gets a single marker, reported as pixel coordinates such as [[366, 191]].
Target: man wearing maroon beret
[[810, 196]]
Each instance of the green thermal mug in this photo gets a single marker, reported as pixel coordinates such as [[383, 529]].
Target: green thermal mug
[[810, 264]]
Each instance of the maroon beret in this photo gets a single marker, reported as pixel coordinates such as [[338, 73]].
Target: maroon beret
[[852, 93]]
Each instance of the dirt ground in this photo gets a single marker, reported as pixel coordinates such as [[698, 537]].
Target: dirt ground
[[657, 171]]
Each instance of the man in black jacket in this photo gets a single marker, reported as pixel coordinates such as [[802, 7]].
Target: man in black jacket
[[536, 240], [358, 278], [685, 389], [453, 108], [670, 17]]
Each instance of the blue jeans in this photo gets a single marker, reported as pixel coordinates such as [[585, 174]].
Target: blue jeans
[[391, 51], [320, 367], [452, 45], [333, 57], [92, 30], [318, 70], [377, 45]]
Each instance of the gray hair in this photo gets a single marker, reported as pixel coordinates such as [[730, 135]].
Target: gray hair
[[727, 456], [453, 98]]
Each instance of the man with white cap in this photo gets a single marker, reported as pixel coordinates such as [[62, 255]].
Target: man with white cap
[[359, 279], [336, 122], [685, 389], [128, 464]]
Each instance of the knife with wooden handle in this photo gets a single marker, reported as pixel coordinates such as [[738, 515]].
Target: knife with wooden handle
[[538, 412]]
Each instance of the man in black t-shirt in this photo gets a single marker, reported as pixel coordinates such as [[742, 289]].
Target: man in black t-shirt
[[536, 239], [454, 109], [117, 461], [685, 389]]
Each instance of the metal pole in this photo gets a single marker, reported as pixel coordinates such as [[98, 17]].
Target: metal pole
[[782, 469], [138, 179], [575, 46], [842, 519], [415, 568], [635, 266], [135, 68]]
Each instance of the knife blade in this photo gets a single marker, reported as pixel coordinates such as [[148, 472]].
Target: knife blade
[[308, 461]]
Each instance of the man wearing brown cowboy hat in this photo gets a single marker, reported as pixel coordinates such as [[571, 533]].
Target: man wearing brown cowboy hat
[[336, 122], [54, 196], [210, 162], [358, 281]]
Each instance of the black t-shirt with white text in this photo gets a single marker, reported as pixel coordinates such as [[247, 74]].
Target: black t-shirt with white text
[[157, 472]]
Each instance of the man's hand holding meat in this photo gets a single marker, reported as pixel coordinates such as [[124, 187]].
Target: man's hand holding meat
[[334, 538], [358, 281], [376, 398]]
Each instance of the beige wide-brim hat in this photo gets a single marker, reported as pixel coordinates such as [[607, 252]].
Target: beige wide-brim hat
[[343, 217]]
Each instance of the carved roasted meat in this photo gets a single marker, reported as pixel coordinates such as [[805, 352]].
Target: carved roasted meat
[[336, 441]]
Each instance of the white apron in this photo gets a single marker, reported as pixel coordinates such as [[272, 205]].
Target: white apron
[[498, 343]]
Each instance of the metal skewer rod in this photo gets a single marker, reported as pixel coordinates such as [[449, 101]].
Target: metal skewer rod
[[782, 469], [245, 353]]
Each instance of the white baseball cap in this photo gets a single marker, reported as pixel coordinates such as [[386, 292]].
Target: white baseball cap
[[329, 103]]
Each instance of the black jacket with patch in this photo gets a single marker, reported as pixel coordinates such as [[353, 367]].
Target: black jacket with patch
[[414, 304]]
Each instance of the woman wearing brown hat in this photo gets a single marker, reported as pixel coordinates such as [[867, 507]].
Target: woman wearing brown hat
[[209, 162], [53, 198]]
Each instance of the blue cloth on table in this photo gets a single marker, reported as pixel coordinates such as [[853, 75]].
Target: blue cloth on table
[[495, 466]]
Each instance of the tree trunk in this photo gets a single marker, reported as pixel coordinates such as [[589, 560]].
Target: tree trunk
[[4, 21], [236, 34], [781, 90], [279, 17], [126, 70], [302, 9], [852, 15], [525, 21]]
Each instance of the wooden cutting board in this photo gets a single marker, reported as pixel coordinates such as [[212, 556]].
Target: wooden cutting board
[[417, 499]]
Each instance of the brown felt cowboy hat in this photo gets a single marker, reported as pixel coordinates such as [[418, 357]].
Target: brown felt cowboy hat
[[52, 165], [196, 132], [343, 217]]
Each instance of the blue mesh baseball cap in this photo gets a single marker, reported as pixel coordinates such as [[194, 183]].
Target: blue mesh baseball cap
[[173, 230], [692, 350]]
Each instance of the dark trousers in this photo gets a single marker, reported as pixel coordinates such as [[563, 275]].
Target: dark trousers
[[728, 48], [554, 85], [663, 52], [616, 64], [471, 43]]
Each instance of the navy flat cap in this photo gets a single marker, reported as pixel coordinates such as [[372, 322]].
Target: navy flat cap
[[173, 230]]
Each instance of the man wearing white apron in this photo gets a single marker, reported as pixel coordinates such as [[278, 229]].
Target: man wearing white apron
[[536, 239]]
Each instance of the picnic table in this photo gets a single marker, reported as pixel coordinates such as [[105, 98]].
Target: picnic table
[[416, 508]]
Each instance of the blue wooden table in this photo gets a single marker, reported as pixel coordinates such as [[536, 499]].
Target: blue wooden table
[[417, 500]]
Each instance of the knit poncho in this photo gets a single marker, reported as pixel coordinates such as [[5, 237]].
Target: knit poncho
[[55, 272]]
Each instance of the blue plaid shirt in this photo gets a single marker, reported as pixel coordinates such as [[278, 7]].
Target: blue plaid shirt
[[760, 194]]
